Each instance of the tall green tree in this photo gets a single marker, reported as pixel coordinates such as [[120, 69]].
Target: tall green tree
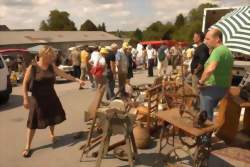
[[180, 21], [169, 30], [43, 26], [138, 34], [103, 27], [155, 31], [58, 21], [88, 25], [99, 27]]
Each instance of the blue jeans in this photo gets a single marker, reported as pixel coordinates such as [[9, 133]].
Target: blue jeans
[[210, 97]]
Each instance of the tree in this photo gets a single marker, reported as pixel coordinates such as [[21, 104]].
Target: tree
[[180, 21], [44, 26], [88, 25], [58, 21], [138, 34], [169, 30], [118, 32], [156, 26], [103, 27], [99, 27]]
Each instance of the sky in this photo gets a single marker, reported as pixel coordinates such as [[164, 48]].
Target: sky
[[117, 14]]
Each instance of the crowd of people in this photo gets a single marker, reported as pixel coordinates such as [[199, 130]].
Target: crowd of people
[[211, 73], [103, 65]]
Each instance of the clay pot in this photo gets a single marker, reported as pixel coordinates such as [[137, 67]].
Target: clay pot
[[142, 136]]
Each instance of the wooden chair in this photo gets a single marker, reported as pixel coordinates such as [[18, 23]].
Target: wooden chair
[[153, 95]]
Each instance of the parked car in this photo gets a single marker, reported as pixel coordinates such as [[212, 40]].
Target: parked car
[[5, 84]]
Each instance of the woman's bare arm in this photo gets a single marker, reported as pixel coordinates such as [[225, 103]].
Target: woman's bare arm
[[66, 76]]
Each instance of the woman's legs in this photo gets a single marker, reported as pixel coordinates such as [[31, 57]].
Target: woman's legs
[[52, 129], [29, 138]]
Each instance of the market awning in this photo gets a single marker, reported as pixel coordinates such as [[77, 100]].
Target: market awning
[[235, 27]]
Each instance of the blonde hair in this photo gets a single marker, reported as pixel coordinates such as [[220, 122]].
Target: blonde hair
[[45, 51]]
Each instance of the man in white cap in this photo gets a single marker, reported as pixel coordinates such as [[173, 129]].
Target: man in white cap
[[122, 66]]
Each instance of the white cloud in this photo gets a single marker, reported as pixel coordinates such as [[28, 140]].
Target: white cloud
[[116, 14], [120, 13], [40, 2], [3, 11]]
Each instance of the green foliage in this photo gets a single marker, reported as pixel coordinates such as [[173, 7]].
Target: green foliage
[[155, 31], [103, 27], [182, 29], [138, 35], [58, 21], [88, 25], [180, 21], [44, 26], [133, 42], [193, 23]]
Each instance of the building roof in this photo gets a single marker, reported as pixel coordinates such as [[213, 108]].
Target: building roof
[[43, 37]]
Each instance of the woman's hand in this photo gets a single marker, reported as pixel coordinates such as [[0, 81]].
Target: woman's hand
[[26, 103]]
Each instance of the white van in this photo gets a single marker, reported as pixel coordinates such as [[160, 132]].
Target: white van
[[5, 84]]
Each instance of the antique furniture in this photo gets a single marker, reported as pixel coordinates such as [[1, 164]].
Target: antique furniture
[[115, 121], [229, 112], [151, 107], [200, 137]]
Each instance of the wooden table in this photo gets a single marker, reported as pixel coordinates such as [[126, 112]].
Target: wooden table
[[173, 117], [229, 115], [202, 136]]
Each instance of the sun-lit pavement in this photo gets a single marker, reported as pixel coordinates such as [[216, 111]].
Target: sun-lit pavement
[[66, 152]]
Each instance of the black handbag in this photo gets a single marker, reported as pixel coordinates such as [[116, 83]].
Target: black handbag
[[32, 78]]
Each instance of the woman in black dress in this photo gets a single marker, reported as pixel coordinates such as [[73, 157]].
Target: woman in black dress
[[45, 108]]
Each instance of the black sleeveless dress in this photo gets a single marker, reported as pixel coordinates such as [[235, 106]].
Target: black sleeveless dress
[[45, 106]]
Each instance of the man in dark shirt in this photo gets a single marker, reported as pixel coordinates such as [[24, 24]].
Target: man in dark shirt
[[110, 61], [200, 57]]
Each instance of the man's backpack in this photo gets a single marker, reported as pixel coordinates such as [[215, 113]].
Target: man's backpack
[[161, 55]]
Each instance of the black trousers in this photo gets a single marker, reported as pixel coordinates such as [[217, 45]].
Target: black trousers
[[150, 67], [77, 71]]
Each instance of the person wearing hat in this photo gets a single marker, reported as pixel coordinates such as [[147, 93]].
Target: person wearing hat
[[122, 66], [98, 62], [110, 67]]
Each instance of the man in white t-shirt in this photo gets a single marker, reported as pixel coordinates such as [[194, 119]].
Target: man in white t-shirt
[[151, 54], [95, 59]]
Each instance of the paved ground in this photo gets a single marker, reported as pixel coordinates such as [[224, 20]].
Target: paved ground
[[65, 153]]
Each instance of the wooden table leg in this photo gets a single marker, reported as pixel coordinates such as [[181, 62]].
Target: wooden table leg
[[246, 121]]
